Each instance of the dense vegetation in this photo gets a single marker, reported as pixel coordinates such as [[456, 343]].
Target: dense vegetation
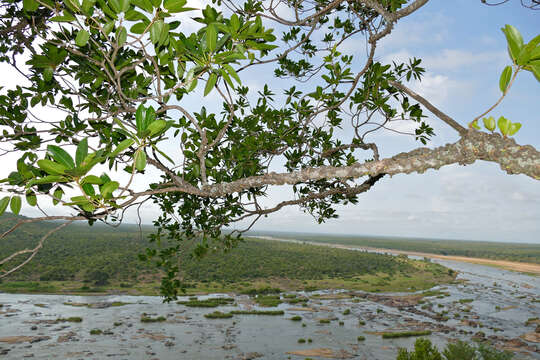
[[482, 249], [424, 350], [101, 255]]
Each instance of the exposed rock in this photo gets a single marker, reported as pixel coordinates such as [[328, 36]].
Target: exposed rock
[[324, 353], [152, 336], [531, 337], [250, 356], [70, 336], [21, 339]]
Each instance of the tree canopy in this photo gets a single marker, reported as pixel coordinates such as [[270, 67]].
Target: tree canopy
[[110, 88]]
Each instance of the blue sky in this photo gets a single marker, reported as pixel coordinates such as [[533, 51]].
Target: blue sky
[[464, 52]]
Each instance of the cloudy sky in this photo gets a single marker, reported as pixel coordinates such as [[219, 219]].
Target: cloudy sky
[[464, 52]]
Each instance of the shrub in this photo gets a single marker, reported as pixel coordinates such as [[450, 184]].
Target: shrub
[[257, 312], [489, 353], [218, 315], [393, 335], [148, 319], [423, 350], [296, 318], [460, 351], [96, 332]]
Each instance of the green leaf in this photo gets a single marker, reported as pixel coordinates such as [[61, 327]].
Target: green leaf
[[92, 179], [4, 204], [139, 28], [121, 147], [514, 40], [514, 128], [140, 160], [78, 200], [115, 5], [82, 38], [15, 204], [57, 195], [146, 5], [49, 179], [235, 22], [121, 36], [124, 5], [51, 167], [211, 37], [535, 54], [210, 83], [504, 125], [107, 189], [157, 127], [149, 117], [505, 78], [536, 71], [61, 156], [88, 189], [162, 153], [140, 116], [155, 31], [31, 198], [30, 5], [108, 27], [226, 77], [174, 6], [48, 73], [88, 6], [489, 123], [67, 17], [232, 72], [474, 124], [82, 151], [24, 170]]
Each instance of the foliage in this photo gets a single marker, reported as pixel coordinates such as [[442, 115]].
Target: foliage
[[459, 351], [122, 78], [212, 302], [100, 249], [218, 315], [424, 350], [393, 335]]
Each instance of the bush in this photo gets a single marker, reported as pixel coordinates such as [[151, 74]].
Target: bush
[[460, 351], [489, 353], [99, 277], [423, 350], [218, 315]]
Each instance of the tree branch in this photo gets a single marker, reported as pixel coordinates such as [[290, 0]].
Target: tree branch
[[447, 119]]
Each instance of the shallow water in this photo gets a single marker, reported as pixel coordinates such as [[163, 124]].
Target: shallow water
[[502, 300]]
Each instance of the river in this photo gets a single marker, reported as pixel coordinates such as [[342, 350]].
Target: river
[[494, 303]]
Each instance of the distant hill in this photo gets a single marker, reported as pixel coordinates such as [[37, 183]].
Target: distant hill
[[521, 252]]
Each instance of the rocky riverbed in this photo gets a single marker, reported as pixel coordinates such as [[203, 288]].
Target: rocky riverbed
[[486, 304]]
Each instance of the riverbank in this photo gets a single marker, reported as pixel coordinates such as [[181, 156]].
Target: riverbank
[[523, 267], [490, 306]]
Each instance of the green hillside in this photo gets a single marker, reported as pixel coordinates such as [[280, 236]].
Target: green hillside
[[83, 256]]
